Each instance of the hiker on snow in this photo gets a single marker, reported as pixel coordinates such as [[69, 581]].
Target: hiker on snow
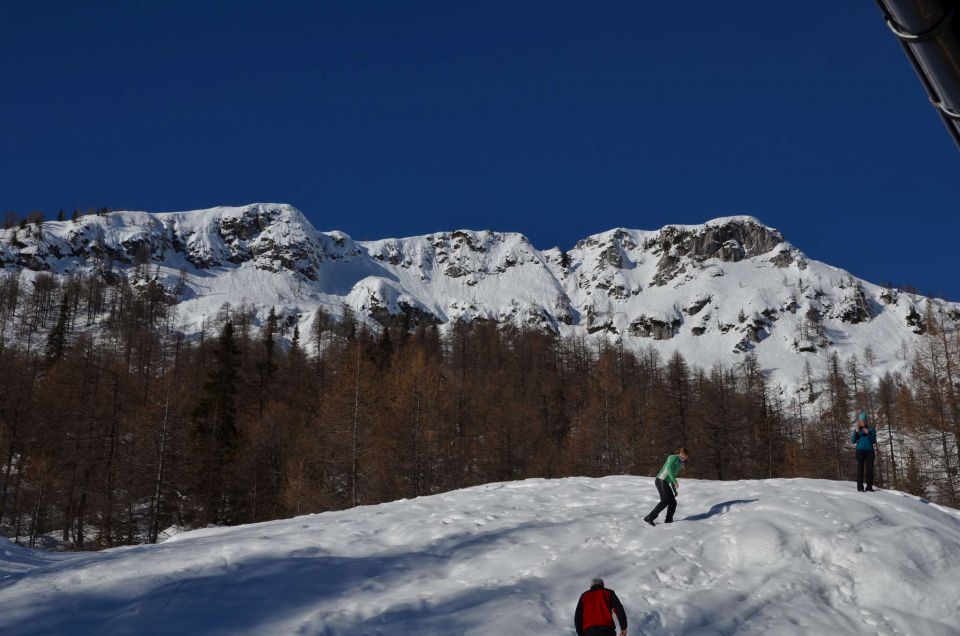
[[865, 437], [667, 485], [594, 615]]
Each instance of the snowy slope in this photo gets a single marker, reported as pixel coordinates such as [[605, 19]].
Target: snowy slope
[[778, 557], [713, 291]]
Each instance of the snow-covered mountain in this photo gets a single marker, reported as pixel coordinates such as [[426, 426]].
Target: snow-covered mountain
[[798, 556], [713, 291]]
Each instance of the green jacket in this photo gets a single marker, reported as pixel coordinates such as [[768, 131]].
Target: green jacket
[[670, 469]]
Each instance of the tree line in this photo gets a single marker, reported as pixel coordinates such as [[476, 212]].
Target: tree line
[[114, 425], [13, 220]]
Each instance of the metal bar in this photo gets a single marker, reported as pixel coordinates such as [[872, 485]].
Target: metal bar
[[941, 37]]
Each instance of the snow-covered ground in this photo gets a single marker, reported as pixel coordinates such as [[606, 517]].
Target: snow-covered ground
[[753, 557]]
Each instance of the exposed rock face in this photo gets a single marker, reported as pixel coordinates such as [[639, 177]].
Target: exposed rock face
[[783, 258], [853, 307], [647, 327], [915, 320], [729, 240], [733, 240], [696, 305]]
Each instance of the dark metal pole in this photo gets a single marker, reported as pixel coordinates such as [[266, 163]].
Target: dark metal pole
[[929, 33]]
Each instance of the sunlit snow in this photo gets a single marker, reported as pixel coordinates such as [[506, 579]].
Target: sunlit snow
[[782, 556]]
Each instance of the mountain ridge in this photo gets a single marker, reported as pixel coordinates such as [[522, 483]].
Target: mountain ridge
[[713, 291]]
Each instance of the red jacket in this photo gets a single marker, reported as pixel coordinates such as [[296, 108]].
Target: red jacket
[[596, 608]]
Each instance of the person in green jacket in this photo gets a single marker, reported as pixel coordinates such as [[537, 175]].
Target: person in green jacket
[[865, 437], [667, 485]]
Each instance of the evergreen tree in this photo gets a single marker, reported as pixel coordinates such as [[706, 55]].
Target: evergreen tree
[[57, 338], [215, 417], [267, 366]]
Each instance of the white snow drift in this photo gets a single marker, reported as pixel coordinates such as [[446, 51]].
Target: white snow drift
[[753, 557]]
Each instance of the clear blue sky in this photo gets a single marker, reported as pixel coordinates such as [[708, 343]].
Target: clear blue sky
[[555, 119]]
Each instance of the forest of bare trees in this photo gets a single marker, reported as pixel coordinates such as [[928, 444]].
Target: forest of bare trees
[[115, 426]]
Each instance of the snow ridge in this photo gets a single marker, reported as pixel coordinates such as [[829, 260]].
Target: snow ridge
[[781, 556]]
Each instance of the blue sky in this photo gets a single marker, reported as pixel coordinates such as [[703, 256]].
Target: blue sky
[[554, 119]]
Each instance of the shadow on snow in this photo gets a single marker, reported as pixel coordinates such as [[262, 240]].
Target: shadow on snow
[[718, 509], [237, 597]]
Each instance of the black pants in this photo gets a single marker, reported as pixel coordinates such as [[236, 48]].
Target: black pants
[[667, 500], [865, 458], [600, 631]]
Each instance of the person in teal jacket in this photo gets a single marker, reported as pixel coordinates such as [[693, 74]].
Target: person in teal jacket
[[668, 486], [865, 437]]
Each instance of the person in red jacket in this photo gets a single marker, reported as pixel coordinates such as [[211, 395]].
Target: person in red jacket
[[595, 610]]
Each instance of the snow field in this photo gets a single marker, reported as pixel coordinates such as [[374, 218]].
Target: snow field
[[752, 557]]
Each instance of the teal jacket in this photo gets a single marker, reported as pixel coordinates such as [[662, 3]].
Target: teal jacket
[[864, 441], [670, 469]]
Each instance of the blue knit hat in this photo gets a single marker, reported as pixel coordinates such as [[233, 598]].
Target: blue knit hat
[[863, 416]]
